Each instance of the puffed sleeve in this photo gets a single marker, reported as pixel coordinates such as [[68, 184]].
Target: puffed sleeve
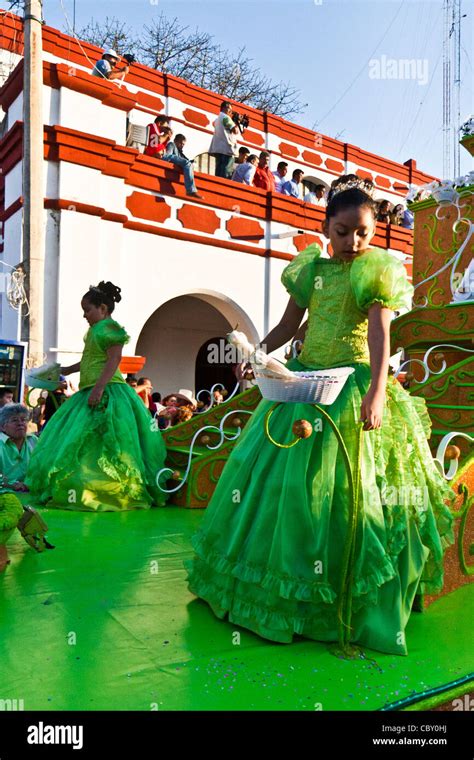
[[298, 276], [110, 333], [378, 277]]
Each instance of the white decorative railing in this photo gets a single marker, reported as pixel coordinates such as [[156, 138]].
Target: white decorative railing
[[424, 362], [212, 447], [453, 460]]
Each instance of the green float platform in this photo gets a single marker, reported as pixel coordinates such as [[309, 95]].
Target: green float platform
[[105, 622]]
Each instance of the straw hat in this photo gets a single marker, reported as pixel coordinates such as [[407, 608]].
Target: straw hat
[[184, 396]]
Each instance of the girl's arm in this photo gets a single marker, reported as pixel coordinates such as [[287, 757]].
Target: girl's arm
[[285, 329], [71, 369], [114, 354], [281, 334], [379, 349]]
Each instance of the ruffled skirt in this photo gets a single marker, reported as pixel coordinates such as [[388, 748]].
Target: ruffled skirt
[[101, 459], [286, 548]]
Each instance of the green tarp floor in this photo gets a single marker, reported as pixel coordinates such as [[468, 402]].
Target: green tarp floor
[[105, 622]]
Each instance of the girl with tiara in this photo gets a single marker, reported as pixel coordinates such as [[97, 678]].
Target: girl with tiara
[[282, 548], [100, 450]]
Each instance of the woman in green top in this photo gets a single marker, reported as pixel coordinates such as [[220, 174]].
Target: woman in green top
[[101, 450], [285, 546]]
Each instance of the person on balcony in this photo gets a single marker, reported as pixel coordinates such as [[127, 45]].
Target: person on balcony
[[279, 175], [293, 186], [383, 214], [159, 135], [396, 214], [316, 195], [224, 142], [244, 173], [242, 156], [263, 178], [105, 68], [174, 154]]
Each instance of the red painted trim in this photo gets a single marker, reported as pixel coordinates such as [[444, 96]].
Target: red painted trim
[[147, 173], [11, 147], [312, 158], [190, 237], [383, 182], [60, 204], [110, 216], [254, 138], [149, 102], [245, 229], [12, 87], [196, 218], [290, 151], [334, 166], [196, 117], [149, 207]]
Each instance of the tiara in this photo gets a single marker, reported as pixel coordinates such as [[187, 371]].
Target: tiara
[[351, 184]]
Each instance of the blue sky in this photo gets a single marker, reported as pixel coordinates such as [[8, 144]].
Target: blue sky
[[343, 56]]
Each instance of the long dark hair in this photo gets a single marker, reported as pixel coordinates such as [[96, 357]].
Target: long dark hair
[[104, 293]]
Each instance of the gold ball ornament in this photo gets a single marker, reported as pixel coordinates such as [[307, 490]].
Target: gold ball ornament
[[205, 439], [200, 404], [236, 422], [452, 452], [439, 357], [176, 475], [225, 392], [302, 428], [410, 376]]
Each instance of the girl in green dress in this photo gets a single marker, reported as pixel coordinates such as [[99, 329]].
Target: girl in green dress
[[288, 545], [101, 450]]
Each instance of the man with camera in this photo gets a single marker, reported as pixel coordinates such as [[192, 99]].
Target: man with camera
[[224, 143], [105, 68]]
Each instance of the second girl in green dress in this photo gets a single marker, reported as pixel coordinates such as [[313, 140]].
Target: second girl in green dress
[[101, 450]]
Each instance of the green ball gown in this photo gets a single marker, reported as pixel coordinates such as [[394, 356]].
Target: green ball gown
[[281, 549], [104, 458]]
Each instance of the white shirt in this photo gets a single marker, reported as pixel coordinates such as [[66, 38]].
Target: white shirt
[[313, 198], [278, 182], [224, 141]]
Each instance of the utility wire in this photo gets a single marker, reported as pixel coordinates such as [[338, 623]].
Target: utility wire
[[319, 121]]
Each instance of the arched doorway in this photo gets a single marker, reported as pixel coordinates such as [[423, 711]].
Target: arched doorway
[[213, 365], [174, 340]]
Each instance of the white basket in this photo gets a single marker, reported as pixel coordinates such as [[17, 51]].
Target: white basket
[[319, 387]]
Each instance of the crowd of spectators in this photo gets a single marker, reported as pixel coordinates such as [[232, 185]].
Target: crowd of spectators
[[231, 161], [395, 214]]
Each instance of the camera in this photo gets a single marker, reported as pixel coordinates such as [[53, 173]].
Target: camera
[[130, 58], [242, 121]]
